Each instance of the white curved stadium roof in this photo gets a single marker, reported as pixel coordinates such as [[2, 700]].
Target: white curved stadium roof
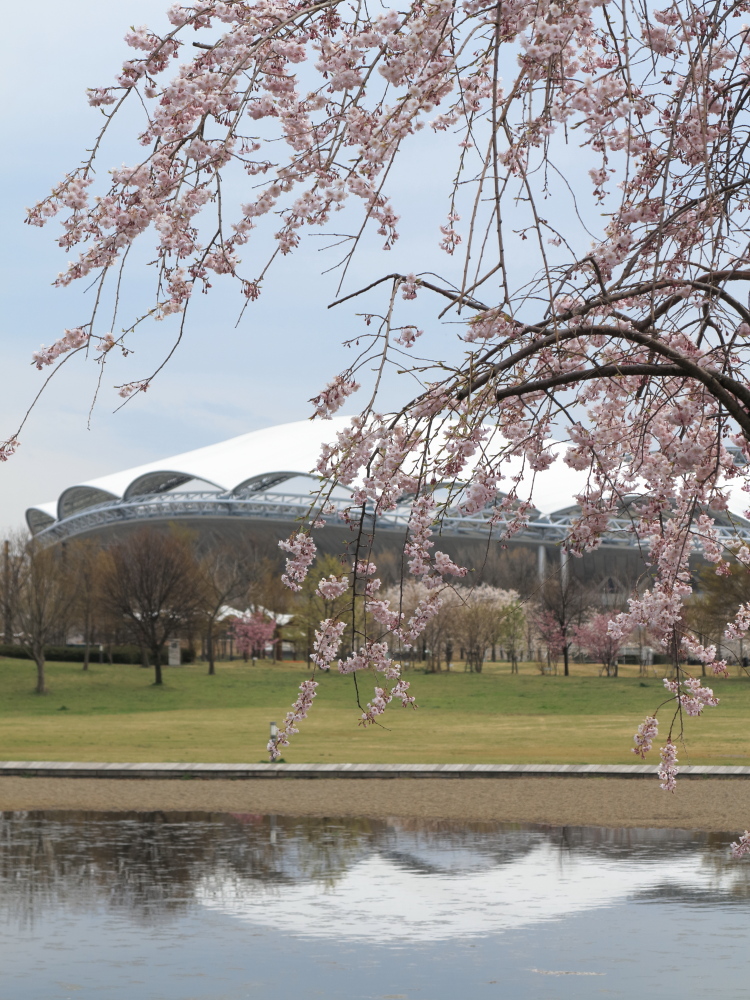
[[262, 459], [292, 448]]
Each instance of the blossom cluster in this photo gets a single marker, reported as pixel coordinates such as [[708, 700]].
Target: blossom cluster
[[302, 549], [327, 642], [71, 341], [741, 847], [383, 697], [300, 707], [668, 769], [332, 587], [8, 449], [334, 395], [645, 735], [695, 698]]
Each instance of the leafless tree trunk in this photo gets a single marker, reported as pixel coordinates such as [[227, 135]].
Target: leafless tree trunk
[[230, 574], [84, 563], [45, 598], [151, 583]]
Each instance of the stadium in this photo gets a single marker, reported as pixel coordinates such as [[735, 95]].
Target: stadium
[[259, 485]]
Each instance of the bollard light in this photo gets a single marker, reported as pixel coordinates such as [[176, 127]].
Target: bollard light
[[274, 732]]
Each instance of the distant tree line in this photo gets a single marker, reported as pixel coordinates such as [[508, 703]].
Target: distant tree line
[[144, 589], [151, 586]]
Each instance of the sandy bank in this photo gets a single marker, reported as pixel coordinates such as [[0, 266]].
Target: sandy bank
[[710, 805]]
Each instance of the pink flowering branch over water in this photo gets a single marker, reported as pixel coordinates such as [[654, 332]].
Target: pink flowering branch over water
[[605, 309], [741, 847]]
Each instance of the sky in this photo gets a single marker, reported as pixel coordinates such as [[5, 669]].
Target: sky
[[223, 381]]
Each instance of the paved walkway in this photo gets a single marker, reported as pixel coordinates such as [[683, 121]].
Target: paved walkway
[[76, 769]]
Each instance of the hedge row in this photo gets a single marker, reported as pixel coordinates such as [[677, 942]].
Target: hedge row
[[75, 654]]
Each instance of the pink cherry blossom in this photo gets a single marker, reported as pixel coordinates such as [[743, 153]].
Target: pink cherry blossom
[[299, 711], [8, 449], [334, 395], [253, 632], [593, 235], [332, 587], [644, 737], [668, 769], [73, 340], [327, 642], [303, 550], [741, 847]]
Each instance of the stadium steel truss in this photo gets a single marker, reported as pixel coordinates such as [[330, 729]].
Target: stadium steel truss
[[157, 493]]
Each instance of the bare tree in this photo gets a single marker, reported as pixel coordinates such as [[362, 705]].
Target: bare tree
[[478, 621], [13, 556], [227, 572], [564, 598], [84, 563], [512, 632], [44, 601], [152, 584]]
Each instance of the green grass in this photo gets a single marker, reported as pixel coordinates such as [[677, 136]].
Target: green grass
[[115, 713]]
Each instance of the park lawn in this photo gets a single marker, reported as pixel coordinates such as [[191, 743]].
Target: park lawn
[[116, 714]]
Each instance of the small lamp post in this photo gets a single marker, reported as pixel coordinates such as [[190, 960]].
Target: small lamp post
[[274, 733]]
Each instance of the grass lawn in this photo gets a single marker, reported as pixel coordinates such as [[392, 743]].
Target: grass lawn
[[116, 714]]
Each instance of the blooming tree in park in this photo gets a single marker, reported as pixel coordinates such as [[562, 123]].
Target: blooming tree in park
[[253, 632], [595, 234], [550, 631], [595, 638]]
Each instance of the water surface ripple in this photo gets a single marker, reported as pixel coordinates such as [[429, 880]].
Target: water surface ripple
[[168, 906]]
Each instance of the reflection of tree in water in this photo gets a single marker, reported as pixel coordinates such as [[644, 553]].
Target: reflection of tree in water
[[152, 863], [155, 864]]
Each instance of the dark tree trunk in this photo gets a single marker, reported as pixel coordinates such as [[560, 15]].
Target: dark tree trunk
[[156, 655], [566, 653], [41, 680], [210, 649]]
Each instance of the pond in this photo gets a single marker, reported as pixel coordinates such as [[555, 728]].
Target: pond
[[223, 907]]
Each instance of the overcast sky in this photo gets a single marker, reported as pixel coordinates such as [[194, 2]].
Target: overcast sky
[[222, 382]]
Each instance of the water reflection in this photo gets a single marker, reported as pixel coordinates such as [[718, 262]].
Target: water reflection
[[199, 907], [368, 879]]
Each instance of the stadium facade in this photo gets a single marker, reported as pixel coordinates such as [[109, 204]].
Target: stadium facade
[[259, 484]]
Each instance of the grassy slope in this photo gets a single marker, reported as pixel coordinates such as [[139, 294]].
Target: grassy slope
[[114, 713]]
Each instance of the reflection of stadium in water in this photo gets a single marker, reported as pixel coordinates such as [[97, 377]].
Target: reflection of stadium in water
[[166, 907], [154, 865]]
